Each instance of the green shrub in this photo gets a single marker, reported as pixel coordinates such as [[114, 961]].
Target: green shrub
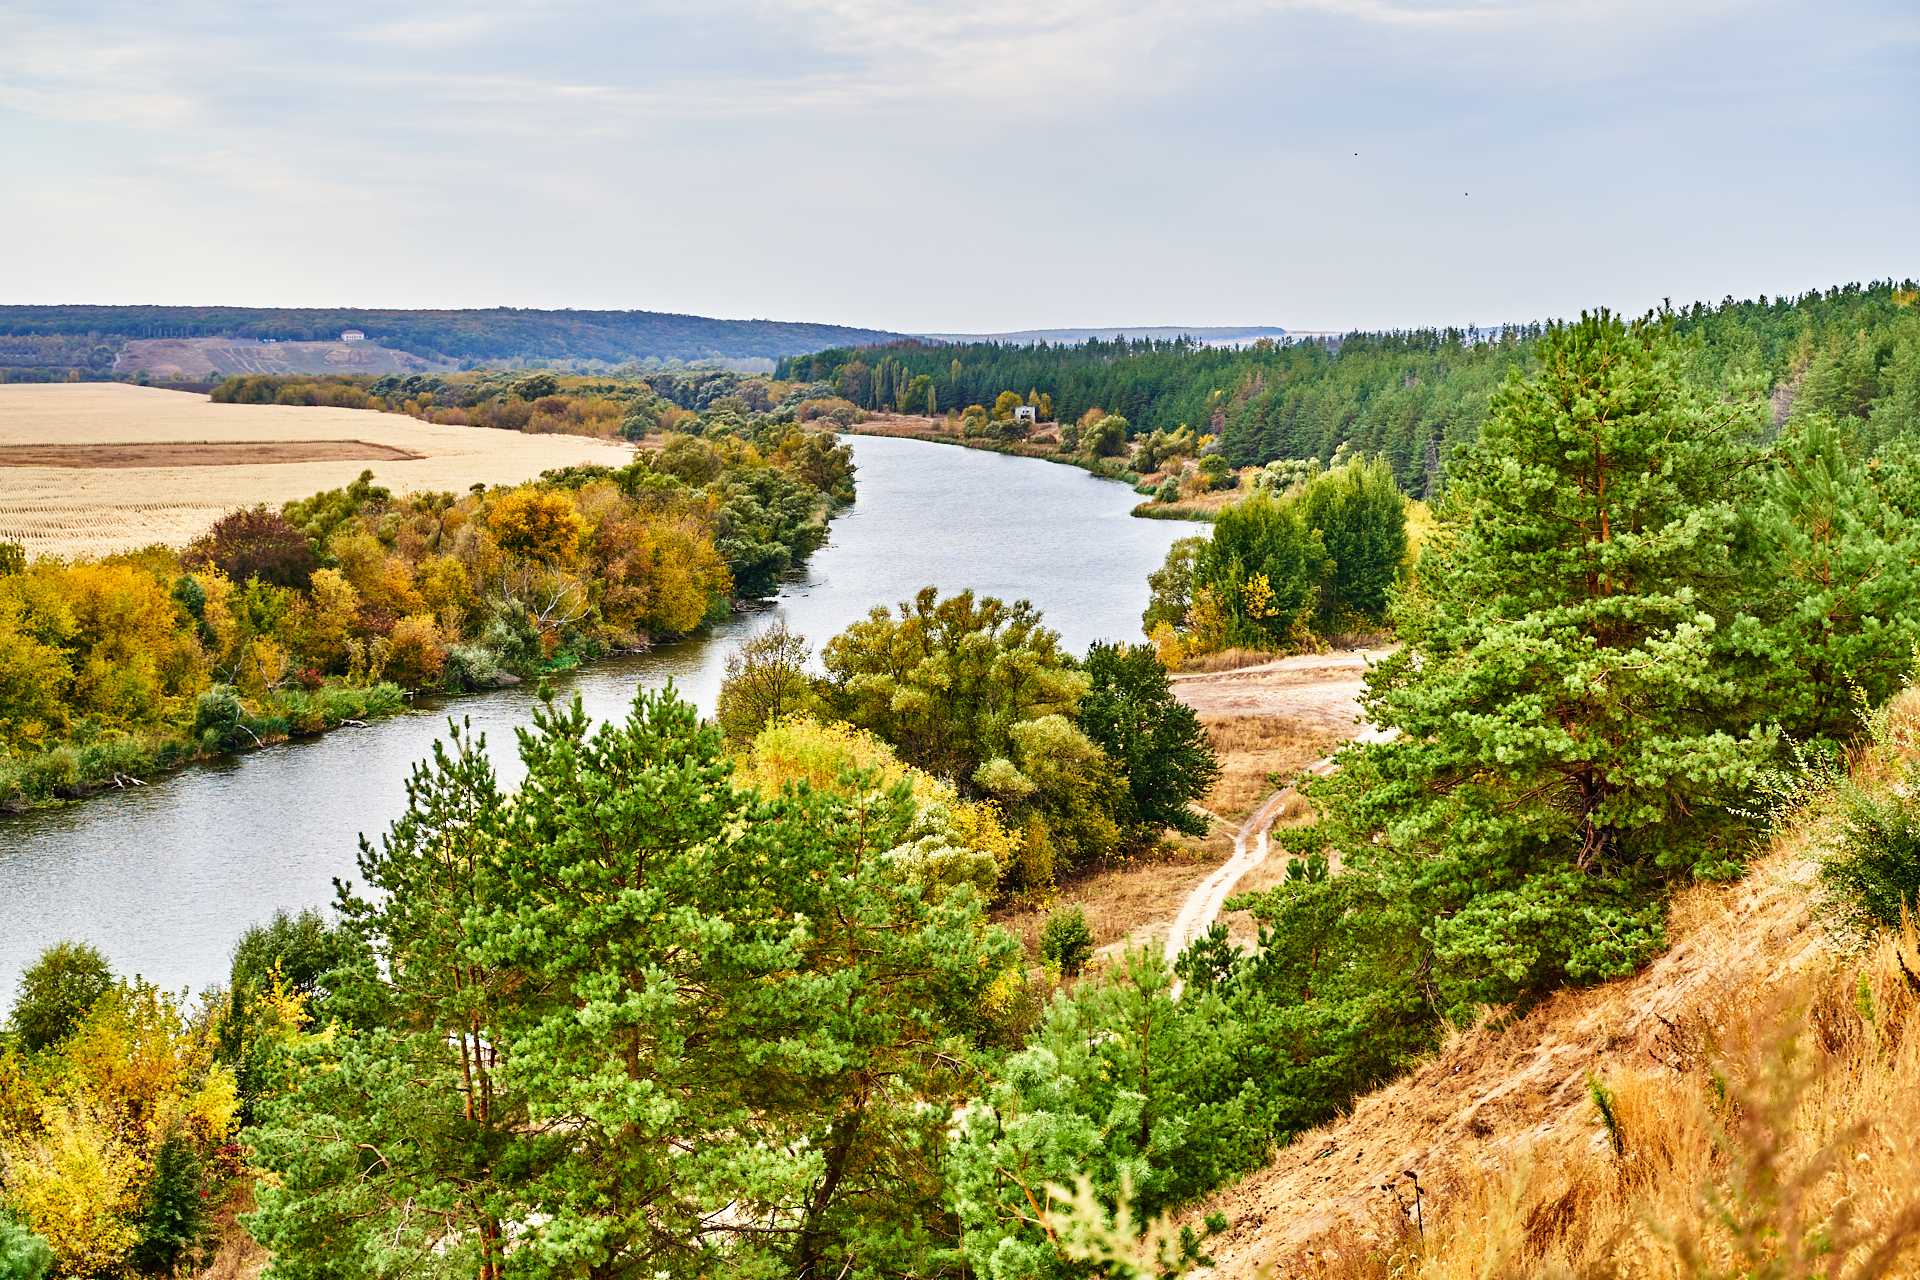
[[56, 991], [1875, 871], [1169, 491], [23, 1255], [216, 719], [1066, 943], [385, 700], [303, 714], [51, 773], [469, 667], [102, 761]]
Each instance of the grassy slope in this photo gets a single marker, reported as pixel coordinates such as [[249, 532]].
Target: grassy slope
[[1813, 1041]]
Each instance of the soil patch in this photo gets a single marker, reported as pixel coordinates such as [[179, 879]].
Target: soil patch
[[1323, 688], [198, 453]]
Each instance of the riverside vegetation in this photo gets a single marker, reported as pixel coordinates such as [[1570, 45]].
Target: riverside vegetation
[[722, 999], [333, 608]]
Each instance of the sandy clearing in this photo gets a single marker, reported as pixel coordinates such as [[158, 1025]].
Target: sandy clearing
[[70, 512], [1323, 688]]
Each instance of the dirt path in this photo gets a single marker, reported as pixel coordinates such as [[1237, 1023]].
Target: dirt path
[[1249, 851]]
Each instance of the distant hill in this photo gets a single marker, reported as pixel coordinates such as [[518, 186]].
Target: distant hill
[[91, 336], [1214, 337]]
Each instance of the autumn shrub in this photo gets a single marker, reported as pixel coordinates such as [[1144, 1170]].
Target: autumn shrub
[[254, 544], [416, 655]]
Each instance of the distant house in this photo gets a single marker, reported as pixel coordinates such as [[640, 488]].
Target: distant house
[[1023, 413], [353, 335]]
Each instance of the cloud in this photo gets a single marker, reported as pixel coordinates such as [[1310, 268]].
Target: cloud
[[989, 164]]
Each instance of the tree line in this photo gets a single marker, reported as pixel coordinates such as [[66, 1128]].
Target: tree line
[[1411, 397], [495, 334]]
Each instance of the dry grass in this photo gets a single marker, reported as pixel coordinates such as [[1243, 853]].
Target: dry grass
[[1134, 902], [1259, 754], [66, 512], [1762, 1086], [1228, 660], [1781, 1139], [236, 1256]]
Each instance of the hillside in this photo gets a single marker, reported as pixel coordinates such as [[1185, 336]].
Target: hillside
[[91, 336], [1763, 1060]]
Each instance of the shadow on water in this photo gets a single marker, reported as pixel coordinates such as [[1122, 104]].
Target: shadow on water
[[163, 878]]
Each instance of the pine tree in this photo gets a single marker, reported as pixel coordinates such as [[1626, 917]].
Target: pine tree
[[1570, 740]]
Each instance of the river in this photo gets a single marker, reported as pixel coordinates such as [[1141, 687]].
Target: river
[[164, 878]]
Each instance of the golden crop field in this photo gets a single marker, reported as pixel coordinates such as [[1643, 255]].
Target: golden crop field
[[109, 500]]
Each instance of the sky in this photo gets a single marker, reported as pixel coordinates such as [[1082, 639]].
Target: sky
[[959, 165]]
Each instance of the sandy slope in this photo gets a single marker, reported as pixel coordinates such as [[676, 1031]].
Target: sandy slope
[[67, 511], [1523, 1086]]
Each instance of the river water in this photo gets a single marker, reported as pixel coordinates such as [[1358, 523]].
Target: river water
[[165, 877]]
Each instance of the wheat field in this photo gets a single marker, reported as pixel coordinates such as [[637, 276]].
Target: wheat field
[[78, 512]]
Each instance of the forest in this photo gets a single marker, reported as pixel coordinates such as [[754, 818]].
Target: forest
[[1410, 397], [337, 606], [89, 336], [721, 998]]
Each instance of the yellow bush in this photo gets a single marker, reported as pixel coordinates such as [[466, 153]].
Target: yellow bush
[[536, 524], [416, 654]]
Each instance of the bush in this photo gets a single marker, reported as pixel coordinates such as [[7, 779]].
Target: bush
[[1169, 490], [1874, 874], [56, 991], [23, 1255], [415, 654], [51, 773], [216, 719], [257, 544], [1066, 943], [472, 666]]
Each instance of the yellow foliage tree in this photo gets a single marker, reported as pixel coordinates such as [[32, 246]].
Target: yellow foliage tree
[[537, 524], [124, 643], [324, 621]]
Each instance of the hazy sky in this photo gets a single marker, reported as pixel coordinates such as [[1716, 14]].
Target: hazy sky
[[942, 165]]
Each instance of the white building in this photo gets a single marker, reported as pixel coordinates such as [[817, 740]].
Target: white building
[[353, 335]]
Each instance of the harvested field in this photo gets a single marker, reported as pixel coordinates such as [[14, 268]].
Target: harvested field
[[69, 510], [204, 357], [198, 453]]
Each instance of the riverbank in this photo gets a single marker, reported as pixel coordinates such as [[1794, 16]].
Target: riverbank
[[223, 725], [932, 431]]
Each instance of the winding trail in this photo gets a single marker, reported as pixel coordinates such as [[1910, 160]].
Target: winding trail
[[1249, 851]]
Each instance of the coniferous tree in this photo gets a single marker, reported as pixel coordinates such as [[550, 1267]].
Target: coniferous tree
[[1157, 740], [1570, 740]]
